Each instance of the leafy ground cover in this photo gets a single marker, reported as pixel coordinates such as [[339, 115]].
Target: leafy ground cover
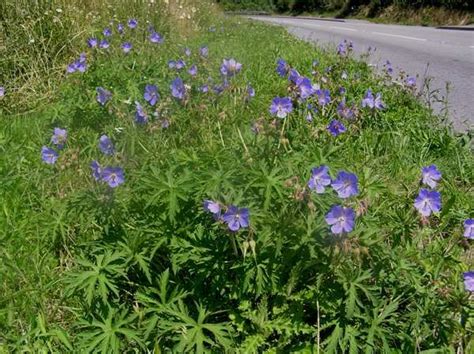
[[233, 189]]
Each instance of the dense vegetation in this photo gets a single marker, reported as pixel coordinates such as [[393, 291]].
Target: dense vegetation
[[343, 7], [195, 184]]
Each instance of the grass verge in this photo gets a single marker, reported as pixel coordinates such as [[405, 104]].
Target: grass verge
[[143, 266]]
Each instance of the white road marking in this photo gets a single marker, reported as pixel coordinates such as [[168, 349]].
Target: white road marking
[[343, 28], [400, 36]]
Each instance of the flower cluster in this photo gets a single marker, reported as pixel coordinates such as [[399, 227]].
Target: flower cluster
[[341, 219], [113, 176], [79, 65], [50, 155], [235, 217], [429, 201]]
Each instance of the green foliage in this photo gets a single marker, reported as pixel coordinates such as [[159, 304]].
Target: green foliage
[[142, 267]]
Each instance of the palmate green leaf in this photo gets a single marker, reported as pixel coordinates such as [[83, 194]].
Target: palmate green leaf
[[167, 189], [110, 333], [98, 279], [195, 335], [268, 181]]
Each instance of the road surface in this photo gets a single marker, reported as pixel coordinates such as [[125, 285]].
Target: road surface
[[445, 56]]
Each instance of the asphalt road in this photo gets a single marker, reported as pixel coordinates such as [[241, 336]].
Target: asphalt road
[[441, 55]]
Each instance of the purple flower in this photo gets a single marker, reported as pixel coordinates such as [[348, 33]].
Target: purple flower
[[2, 91], [178, 90], [140, 115], [323, 97], [187, 52], [107, 32], [345, 184], [388, 67], [282, 68], [281, 107], [59, 137], [113, 176], [345, 111], [127, 47], [341, 219], [319, 179], [204, 51], [341, 49], [236, 218], [106, 145], [469, 281], [428, 202], [250, 92], [230, 67], [430, 175], [92, 42], [151, 94], [305, 87], [171, 64], [78, 65], [132, 23], [96, 170], [120, 28], [294, 76], [193, 70], [155, 37], [180, 64], [410, 81], [103, 95], [469, 228], [309, 117], [49, 155], [371, 101], [204, 88], [213, 208], [335, 127], [165, 123], [104, 44]]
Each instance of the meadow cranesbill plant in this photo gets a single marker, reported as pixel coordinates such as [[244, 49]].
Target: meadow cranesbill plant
[[341, 219], [178, 90], [469, 228], [204, 51], [59, 137], [2, 91], [120, 28], [187, 52], [140, 115], [294, 76], [281, 107], [113, 176], [250, 93], [92, 42], [104, 44], [127, 47], [428, 202], [324, 97], [345, 111], [345, 184], [193, 70], [319, 179], [180, 64], [106, 145], [96, 170], [49, 155], [132, 23], [212, 207], [410, 81], [236, 218], [107, 32], [151, 94], [469, 281], [282, 68], [430, 175], [103, 95], [372, 102], [335, 127], [78, 65], [230, 67], [305, 88], [156, 38]]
